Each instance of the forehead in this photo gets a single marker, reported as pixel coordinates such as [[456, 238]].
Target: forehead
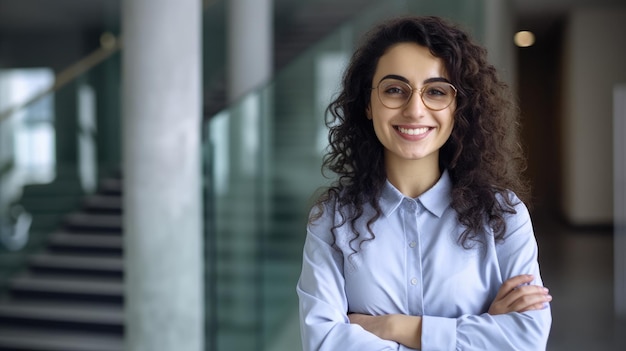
[[409, 60]]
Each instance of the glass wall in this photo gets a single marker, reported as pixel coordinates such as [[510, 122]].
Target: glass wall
[[263, 160]]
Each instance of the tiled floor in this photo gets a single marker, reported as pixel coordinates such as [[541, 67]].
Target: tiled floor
[[577, 266]]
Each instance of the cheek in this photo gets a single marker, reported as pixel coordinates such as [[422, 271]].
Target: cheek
[[447, 126]]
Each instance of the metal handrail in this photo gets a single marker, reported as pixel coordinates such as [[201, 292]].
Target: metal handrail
[[107, 49]]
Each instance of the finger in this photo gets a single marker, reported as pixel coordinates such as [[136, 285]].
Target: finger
[[512, 283], [535, 301], [526, 290], [536, 307], [523, 293]]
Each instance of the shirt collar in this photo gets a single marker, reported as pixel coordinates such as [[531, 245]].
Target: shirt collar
[[435, 199]]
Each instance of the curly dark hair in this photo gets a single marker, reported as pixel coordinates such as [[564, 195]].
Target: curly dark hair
[[483, 155]]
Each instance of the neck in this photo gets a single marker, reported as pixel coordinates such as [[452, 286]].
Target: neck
[[413, 177]]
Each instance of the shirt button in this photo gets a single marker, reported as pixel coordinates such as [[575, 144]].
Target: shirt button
[[413, 281], [412, 244]]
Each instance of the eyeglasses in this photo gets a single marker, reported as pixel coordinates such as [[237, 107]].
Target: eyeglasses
[[394, 94]]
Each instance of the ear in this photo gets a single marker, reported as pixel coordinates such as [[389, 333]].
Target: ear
[[368, 112]]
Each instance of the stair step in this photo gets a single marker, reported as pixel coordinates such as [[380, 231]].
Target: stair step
[[37, 339], [46, 222], [78, 264], [103, 243], [64, 288], [94, 222], [50, 204], [103, 203], [86, 231], [109, 318], [111, 186]]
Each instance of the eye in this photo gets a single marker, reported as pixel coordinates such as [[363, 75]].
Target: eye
[[437, 91], [395, 90]]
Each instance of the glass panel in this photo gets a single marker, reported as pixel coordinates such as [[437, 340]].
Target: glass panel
[[50, 155], [263, 157], [262, 163], [26, 141]]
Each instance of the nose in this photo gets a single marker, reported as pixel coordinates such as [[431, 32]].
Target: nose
[[415, 106]]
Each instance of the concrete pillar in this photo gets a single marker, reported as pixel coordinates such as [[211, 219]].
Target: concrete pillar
[[498, 34], [250, 45], [161, 80]]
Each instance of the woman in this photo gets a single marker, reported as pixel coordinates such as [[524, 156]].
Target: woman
[[422, 241]]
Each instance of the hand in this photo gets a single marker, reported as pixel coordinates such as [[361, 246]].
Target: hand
[[377, 325], [515, 296], [403, 329]]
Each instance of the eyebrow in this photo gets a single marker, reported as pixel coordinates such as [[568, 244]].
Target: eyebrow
[[403, 79]]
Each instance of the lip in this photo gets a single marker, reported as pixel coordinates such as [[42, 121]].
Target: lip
[[413, 133]]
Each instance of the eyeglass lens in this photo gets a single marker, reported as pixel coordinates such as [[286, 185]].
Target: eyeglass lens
[[436, 96]]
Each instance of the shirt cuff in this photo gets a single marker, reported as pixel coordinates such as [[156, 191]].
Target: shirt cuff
[[438, 333]]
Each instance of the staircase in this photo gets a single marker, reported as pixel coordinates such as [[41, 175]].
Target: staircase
[[70, 295]]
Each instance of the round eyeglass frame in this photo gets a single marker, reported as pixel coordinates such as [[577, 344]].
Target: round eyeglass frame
[[420, 93]]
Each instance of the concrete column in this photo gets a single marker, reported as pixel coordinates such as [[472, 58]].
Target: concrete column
[[161, 80], [498, 33], [250, 45]]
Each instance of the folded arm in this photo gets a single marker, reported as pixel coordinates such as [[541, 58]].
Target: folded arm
[[324, 322]]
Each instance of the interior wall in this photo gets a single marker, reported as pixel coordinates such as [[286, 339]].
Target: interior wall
[[593, 62]]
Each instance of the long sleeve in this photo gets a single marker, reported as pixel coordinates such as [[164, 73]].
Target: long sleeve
[[513, 331], [415, 266], [324, 322]]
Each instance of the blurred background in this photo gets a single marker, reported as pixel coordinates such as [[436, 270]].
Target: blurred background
[[75, 222]]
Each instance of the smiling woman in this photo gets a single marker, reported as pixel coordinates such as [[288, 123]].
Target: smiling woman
[[423, 242], [413, 130]]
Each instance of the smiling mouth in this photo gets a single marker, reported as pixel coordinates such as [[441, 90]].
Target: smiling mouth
[[413, 131]]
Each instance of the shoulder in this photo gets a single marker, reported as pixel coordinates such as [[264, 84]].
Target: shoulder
[[516, 217], [338, 223], [322, 220], [511, 205]]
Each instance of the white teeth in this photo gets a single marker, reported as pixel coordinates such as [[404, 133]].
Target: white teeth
[[416, 131]]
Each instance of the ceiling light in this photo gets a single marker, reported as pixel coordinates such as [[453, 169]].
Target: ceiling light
[[524, 39]]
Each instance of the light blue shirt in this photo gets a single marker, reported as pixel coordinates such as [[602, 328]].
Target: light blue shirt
[[415, 266]]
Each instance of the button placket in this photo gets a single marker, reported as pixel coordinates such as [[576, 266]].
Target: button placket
[[417, 278], [413, 265]]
